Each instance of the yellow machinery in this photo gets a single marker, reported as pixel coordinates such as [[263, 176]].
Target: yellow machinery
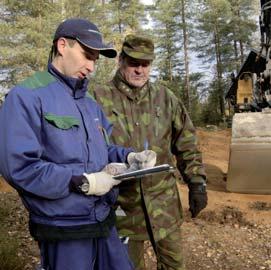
[[244, 89]]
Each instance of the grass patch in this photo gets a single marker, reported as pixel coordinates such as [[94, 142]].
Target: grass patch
[[4, 213], [260, 206], [9, 249], [9, 246]]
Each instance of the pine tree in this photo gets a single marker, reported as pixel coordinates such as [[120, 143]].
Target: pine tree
[[173, 24], [242, 26], [225, 28], [168, 38], [214, 44], [26, 35], [186, 52]]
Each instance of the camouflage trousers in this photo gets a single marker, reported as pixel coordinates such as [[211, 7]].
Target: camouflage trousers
[[169, 253]]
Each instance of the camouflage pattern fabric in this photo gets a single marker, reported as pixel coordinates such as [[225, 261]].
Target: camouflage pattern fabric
[[169, 252], [152, 113], [138, 47]]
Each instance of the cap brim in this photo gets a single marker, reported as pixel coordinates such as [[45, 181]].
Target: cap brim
[[104, 49], [109, 52]]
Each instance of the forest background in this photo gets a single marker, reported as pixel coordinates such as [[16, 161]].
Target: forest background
[[199, 43]]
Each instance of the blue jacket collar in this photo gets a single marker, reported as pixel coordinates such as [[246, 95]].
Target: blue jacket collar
[[76, 87]]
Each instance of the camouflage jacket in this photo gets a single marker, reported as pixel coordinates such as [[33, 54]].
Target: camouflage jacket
[[156, 115]]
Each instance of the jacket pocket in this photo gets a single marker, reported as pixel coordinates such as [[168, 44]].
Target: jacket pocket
[[62, 138], [62, 121]]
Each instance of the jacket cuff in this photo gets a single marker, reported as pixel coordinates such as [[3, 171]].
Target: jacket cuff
[[75, 183]]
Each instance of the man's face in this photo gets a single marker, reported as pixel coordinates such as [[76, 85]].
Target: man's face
[[76, 61], [135, 71]]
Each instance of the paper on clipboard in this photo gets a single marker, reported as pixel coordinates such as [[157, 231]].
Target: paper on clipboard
[[144, 172]]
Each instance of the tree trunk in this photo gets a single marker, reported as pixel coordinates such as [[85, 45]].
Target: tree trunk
[[237, 67], [119, 12], [241, 51], [63, 10], [186, 61], [241, 43], [219, 73]]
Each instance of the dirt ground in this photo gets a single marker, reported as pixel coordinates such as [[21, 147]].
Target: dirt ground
[[232, 233]]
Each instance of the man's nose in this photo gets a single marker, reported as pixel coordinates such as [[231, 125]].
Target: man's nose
[[90, 66], [139, 68]]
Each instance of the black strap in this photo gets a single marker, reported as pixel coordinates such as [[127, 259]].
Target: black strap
[[147, 220]]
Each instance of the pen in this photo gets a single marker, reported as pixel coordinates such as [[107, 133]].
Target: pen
[[146, 144]]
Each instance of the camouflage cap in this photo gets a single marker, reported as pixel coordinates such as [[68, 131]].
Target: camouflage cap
[[138, 47]]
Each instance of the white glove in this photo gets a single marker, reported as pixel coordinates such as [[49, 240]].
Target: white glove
[[100, 183], [142, 160]]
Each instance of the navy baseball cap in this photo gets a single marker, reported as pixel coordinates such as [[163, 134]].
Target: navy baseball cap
[[86, 33]]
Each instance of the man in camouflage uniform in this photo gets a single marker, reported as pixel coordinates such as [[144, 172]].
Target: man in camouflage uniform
[[147, 115]]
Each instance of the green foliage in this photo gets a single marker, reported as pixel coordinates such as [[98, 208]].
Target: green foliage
[[196, 87], [81, 8], [212, 22], [221, 31], [225, 30], [211, 113], [1, 101], [26, 36], [105, 70], [127, 15], [123, 17], [241, 27], [167, 37], [214, 44]]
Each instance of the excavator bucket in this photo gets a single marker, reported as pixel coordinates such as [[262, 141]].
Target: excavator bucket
[[250, 153]]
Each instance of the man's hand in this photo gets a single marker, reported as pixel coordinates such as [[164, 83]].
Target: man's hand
[[197, 198], [100, 183], [142, 160]]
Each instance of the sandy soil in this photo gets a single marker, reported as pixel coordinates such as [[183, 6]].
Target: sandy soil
[[233, 232]]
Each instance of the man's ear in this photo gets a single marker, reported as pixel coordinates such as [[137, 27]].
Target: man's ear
[[61, 45]]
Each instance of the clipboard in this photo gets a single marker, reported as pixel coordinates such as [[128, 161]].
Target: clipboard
[[144, 172]]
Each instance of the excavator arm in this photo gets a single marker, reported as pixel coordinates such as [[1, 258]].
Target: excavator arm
[[250, 95]]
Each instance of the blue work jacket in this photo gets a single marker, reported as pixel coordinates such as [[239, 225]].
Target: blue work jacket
[[50, 131]]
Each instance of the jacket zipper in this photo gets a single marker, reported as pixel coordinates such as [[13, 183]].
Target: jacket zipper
[[156, 124]]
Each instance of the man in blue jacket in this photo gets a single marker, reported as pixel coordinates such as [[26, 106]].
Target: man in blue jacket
[[53, 149]]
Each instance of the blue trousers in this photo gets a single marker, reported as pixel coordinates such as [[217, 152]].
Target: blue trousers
[[86, 254]]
